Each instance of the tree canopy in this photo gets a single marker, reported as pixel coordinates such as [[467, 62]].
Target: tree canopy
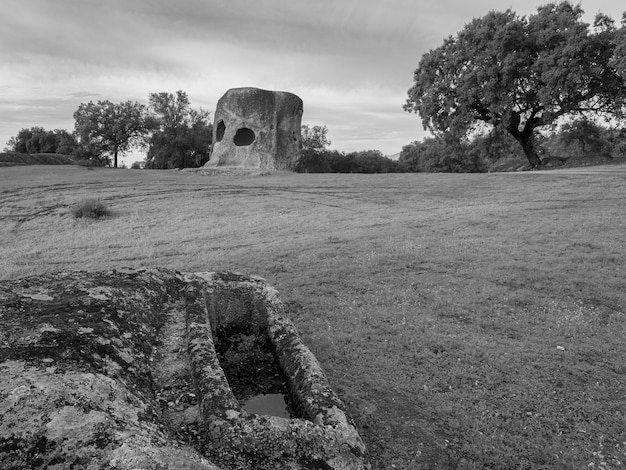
[[619, 56], [521, 73], [314, 138], [183, 135], [106, 127], [38, 140]]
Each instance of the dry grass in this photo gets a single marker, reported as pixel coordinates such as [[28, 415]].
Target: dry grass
[[468, 321], [90, 209]]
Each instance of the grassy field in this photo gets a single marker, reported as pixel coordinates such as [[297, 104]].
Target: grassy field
[[468, 321]]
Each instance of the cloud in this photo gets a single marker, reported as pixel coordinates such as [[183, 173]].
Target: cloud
[[351, 61]]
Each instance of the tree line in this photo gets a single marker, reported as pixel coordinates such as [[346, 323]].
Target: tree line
[[175, 134], [38, 140], [580, 140], [315, 156], [536, 87]]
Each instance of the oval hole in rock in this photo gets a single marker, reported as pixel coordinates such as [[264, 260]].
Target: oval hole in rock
[[243, 136], [219, 134]]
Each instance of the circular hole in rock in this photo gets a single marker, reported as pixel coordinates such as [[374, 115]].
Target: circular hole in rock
[[219, 134], [243, 136]]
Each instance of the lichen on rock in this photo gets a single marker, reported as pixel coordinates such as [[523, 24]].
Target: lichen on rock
[[118, 369], [76, 361]]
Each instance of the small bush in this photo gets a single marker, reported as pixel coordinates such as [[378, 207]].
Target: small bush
[[91, 209]]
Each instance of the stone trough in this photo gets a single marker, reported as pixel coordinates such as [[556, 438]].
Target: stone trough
[[153, 368]]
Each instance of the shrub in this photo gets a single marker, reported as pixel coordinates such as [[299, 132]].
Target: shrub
[[442, 154], [313, 161], [91, 209], [333, 161]]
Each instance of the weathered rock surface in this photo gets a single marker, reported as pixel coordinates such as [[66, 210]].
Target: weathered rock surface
[[256, 128], [118, 370], [77, 353]]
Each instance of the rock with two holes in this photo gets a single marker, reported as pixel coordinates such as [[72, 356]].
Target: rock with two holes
[[256, 128]]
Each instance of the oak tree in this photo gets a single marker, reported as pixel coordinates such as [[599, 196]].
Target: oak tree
[[111, 127], [519, 73]]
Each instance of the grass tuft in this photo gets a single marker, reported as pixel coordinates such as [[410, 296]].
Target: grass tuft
[[90, 209]]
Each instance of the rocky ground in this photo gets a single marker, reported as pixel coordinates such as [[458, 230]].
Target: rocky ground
[[100, 370]]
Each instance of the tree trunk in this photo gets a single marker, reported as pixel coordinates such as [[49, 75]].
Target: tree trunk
[[115, 158], [525, 139]]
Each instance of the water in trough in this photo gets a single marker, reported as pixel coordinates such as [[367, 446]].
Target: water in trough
[[254, 375]]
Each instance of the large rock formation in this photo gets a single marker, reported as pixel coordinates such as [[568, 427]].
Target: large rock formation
[[256, 128], [119, 370]]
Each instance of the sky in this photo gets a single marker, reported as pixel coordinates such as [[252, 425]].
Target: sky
[[351, 61]]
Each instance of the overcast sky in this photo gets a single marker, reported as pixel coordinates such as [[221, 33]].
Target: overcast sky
[[351, 61]]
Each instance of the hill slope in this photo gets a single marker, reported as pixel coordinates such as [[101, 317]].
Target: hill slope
[[13, 158]]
